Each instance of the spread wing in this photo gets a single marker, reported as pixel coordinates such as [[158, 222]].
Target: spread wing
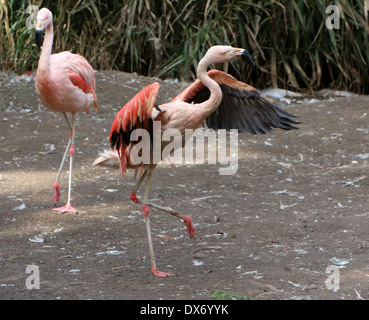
[[242, 107]]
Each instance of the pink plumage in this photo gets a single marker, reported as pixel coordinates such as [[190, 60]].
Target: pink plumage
[[215, 95], [65, 83]]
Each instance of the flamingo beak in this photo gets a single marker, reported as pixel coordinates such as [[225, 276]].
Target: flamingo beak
[[244, 55], [247, 57], [39, 37]]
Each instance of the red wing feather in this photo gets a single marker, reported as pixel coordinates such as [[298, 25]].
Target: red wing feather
[[135, 114], [139, 107], [220, 77], [189, 92], [79, 82]]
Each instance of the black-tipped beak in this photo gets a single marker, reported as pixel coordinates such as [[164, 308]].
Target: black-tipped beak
[[39, 38], [247, 57]]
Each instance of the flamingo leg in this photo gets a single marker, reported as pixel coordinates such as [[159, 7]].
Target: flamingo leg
[[186, 219], [137, 186], [68, 207], [56, 185], [145, 210]]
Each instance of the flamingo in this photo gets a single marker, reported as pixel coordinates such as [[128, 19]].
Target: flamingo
[[215, 97], [65, 83]]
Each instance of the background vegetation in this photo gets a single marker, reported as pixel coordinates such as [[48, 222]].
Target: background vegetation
[[288, 39]]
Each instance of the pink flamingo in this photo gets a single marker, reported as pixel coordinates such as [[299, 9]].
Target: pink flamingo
[[65, 83], [215, 97]]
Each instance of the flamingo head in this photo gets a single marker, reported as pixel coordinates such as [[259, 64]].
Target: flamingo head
[[44, 19], [221, 54]]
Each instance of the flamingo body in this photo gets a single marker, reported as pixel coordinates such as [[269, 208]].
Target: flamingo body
[[215, 97], [65, 82], [69, 84]]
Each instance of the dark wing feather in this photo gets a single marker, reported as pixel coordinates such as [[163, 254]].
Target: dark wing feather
[[135, 114], [245, 109]]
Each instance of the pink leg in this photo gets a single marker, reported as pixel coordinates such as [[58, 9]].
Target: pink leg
[[56, 185], [190, 228], [137, 186], [154, 270], [56, 191], [68, 207], [145, 210], [186, 219]]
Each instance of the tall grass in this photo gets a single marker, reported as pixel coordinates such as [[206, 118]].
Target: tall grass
[[288, 39]]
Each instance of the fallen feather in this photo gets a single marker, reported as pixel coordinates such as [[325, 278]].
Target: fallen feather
[[20, 207], [50, 148], [339, 262], [111, 252], [362, 130], [286, 165], [282, 206], [298, 285], [300, 251], [197, 263], [250, 272], [363, 156], [166, 237], [204, 198], [351, 183], [359, 297], [207, 248], [74, 270], [38, 239]]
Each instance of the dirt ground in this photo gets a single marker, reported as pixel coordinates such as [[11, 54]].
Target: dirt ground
[[297, 205]]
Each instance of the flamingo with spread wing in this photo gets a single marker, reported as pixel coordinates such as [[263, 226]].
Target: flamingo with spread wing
[[65, 83], [215, 97]]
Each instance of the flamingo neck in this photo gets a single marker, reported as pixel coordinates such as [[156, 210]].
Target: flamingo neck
[[210, 105], [44, 61]]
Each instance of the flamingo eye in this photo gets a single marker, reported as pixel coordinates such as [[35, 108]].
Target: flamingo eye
[[225, 51]]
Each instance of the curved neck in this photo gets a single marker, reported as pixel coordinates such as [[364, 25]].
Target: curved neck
[[210, 105], [44, 61]]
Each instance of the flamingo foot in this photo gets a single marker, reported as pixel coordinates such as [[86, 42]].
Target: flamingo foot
[[56, 192], [190, 228], [66, 208], [159, 274], [134, 197]]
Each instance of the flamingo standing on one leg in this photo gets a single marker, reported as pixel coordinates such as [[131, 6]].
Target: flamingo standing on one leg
[[65, 83], [216, 97]]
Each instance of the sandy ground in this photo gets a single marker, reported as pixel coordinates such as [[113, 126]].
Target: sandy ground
[[297, 205]]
